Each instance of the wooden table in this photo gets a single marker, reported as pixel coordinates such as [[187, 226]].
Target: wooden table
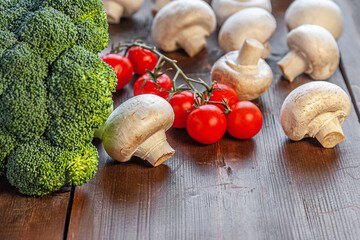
[[267, 187]]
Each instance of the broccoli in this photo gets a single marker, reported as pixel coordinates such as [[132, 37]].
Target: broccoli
[[7, 39], [38, 168], [54, 91], [48, 44]]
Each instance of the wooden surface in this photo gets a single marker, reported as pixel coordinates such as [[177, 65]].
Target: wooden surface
[[267, 187]]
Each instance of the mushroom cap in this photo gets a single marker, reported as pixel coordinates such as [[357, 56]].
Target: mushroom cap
[[248, 23], [225, 8], [177, 16], [318, 47], [130, 7], [310, 106], [325, 13], [247, 86], [133, 122]]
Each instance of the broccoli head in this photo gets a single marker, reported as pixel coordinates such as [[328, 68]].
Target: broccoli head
[[54, 91], [82, 164], [48, 32], [7, 144], [36, 168], [23, 103], [78, 82], [7, 39], [90, 20]]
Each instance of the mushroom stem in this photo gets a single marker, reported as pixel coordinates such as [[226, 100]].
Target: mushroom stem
[[292, 65], [330, 134], [250, 52], [155, 149], [192, 40], [114, 11]]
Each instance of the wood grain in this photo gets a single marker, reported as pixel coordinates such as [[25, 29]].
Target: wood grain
[[267, 187], [31, 218], [349, 44]]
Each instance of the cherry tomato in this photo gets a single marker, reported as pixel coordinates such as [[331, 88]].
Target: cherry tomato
[[122, 67], [142, 59], [227, 93], [182, 103], [206, 124], [150, 88], [245, 120]]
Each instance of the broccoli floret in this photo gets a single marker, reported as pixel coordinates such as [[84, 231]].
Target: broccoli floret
[[82, 165], [36, 168], [24, 101], [7, 144], [7, 39], [79, 81], [90, 20], [10, 16], [49, 32], [92, 30]]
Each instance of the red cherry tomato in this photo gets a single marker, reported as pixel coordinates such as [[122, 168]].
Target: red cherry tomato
[[206, 124], [227, 93], [122, 67], [182, 103], [245, 120], [150, 88], [142, 59]]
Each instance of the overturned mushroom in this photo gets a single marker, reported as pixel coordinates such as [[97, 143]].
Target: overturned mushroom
[[248, 23], [116, 9], [317, 110], [324, 13], [137, 128], [183, 24], [244, 71], [313, 50], [225, 8]]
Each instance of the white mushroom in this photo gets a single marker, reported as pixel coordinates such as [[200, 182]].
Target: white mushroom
[[317, 110], [313, 50], [183, 24], [244, 71], [324, 13], [137, 128], [225, 8], [248, 23], [116, 9]]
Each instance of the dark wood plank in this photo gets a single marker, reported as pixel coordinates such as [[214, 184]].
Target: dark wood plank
[[31, 218], [349, 44], [264, 188]]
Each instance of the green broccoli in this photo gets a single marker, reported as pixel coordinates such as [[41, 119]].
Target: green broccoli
[[82, 164], [48, 44], [54, 91], [38, 168], [23, 103], [77, 84], [90, 20], [7, 39], [7, 144]]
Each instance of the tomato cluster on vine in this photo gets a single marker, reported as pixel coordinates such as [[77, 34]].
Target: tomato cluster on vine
[[207, 115]]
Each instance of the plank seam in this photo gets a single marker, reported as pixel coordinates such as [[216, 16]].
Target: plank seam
[[68, 213], [348, 86]]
